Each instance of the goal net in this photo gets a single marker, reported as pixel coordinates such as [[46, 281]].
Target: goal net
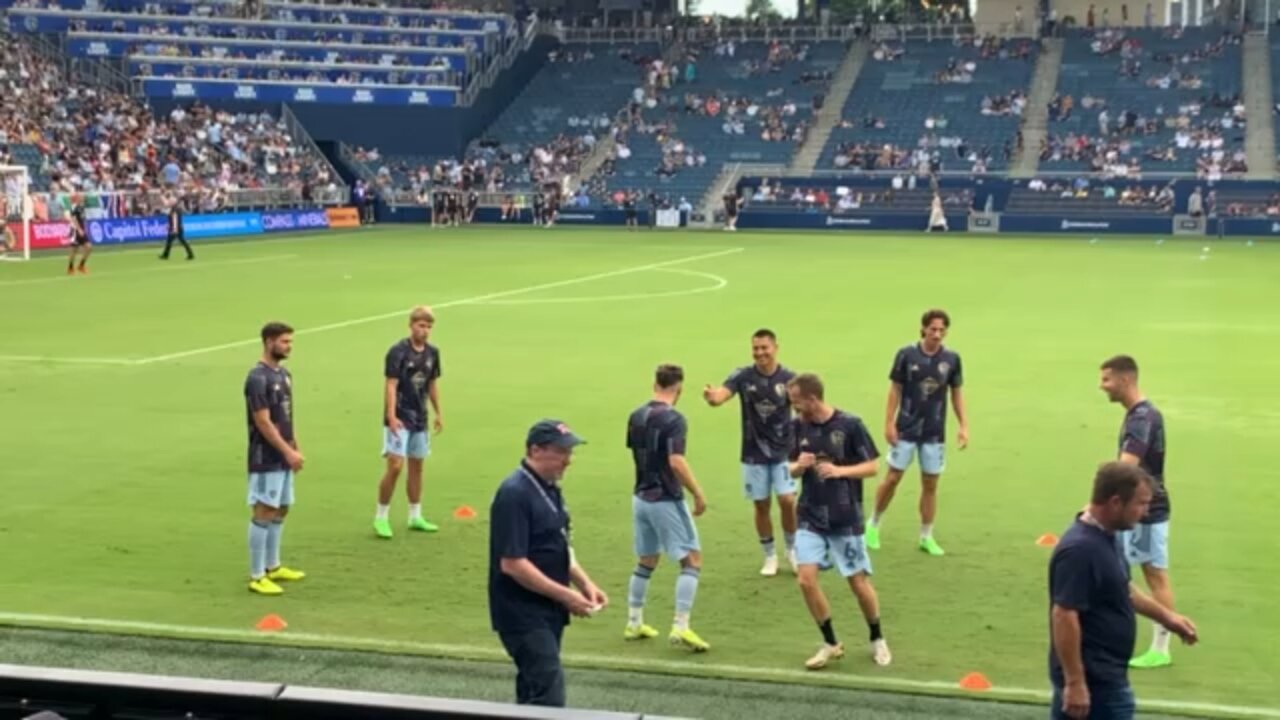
[[16, 204]]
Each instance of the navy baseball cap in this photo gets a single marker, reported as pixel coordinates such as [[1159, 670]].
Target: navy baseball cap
[[553, 432]]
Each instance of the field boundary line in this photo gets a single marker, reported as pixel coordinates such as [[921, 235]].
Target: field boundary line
[[54, 360], [184, 266], [477, 299], [718, 283], [598, 662]]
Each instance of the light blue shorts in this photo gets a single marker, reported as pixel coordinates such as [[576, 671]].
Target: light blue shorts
[[763, 481], [1146, 544], [847, 552], [664, 527], [932, 456], [273, 489], [404, 443]]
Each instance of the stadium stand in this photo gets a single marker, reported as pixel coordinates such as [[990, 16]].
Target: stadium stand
[[1130, 100], [940, 104], [837, 196], [1081, 196], [75, 138]]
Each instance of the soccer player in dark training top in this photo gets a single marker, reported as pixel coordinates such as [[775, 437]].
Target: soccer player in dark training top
[[833, 452], [80, 244], [176, 231], [274, 457], [766, 442], [1142, 444], [412, 380], [916, 421], [656, 437]]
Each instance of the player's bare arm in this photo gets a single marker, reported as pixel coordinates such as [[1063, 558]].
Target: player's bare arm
[[801, 464], [684, 473], [389, 402], [433, 395], [962, 417], [716, 396], [891, 413], [830, 471], [262, 421]]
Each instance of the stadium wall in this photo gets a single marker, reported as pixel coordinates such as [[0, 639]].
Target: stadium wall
[[403, 130]]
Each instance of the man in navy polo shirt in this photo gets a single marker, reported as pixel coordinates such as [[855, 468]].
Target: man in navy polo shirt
[[532, 572], [1092, 602]]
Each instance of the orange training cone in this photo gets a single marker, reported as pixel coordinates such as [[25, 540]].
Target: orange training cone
[[976, 682], [1047, 540], [464, 513], [271, 623]]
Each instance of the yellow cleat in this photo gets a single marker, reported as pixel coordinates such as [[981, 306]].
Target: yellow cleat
[[264, 586], [689, 639], [639, 632], [284, 573]]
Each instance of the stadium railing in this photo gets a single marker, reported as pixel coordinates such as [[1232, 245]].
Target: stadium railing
[[75, 694]]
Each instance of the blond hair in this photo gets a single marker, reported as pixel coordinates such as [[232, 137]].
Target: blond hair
[[421, 312]]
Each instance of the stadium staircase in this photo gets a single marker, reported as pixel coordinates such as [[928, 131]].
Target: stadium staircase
[[1260, 136], [1035, 118], [806, 160]]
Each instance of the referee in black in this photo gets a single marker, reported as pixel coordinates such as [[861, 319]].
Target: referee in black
[[175, 230], [1092, 602], [534, 581]]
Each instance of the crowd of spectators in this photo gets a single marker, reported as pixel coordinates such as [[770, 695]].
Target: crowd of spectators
[[1130, 195], [1208, 128], [88, 139]]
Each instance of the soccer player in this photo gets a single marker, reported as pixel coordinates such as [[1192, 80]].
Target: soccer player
[[916, 419], [8, 242], [766, 441], [438, 217], [412, 380], [732, 204], [175, 231], [1142, 444], [656, 435], [80, 244], [832, 451], [274, 457]]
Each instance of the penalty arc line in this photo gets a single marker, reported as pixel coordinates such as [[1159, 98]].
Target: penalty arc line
[[587, 660], [478, 299]]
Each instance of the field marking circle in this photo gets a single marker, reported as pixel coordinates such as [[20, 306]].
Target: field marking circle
[[717, 283]]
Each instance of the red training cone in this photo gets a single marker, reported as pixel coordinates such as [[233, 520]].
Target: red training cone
[[271, 623], [464, 513], [976, 682], [1047, 540]]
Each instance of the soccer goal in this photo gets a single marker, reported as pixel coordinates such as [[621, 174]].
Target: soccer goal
[[15, 181]]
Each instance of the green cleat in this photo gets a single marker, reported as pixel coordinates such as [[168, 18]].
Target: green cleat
[[931, 546], [872, 537], [422, 525], [382, 528], [639, 632], [1151, 659]]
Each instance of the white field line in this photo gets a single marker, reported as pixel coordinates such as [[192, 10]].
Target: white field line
[[717, 283], [52, 360], [589, 661], [168, 266], [478, 299], [150, 246]]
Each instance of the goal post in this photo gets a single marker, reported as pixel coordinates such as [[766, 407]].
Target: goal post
[[18, 210]]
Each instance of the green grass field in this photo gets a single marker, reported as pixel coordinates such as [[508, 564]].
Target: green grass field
[[122, 437]]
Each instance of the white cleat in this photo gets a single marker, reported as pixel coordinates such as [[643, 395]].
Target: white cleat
[[770, 567], [880, 652], [825, 654], [791, 560]]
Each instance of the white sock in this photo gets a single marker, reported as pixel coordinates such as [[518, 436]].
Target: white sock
[[875, 520], [682, 621], [635, 616], [383, 511], [415, 511], [926, 530], [1160, 641]]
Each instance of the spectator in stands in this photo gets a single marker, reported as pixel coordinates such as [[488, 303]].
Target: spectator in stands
[[534, 581]]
